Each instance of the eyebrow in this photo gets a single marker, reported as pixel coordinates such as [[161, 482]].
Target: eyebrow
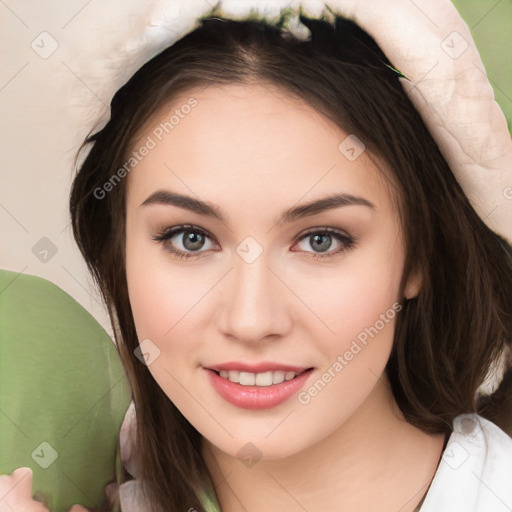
[[166, 197]]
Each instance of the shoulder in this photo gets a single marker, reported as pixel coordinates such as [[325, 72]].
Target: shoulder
[[475, 471]]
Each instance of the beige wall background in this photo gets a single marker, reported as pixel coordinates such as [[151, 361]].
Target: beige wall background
[[53, 55]]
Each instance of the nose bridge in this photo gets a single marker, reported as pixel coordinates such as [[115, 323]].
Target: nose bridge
[[255, 305]]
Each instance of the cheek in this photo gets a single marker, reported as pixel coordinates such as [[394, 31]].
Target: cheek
[[160, 291], [357, 300], [361, 309], [158, 301], [162, 297]]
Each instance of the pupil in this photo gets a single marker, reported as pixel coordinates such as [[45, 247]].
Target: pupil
[[193, 241], [323, 246]]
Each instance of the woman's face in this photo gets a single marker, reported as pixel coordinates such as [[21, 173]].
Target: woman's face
[[301, 317]]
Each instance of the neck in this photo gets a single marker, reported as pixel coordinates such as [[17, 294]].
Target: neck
[[375, 461]]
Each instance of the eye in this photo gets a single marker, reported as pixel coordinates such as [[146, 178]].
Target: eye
[[322, 240], [193, 240]]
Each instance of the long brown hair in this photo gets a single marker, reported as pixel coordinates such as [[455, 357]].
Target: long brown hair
[[445, 338]]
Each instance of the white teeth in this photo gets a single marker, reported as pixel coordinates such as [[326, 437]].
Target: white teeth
[[264, 379], [257, 379], [278, 377], [234, 376], [247, 379]]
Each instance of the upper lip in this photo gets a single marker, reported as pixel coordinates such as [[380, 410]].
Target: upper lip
[[262, 367]]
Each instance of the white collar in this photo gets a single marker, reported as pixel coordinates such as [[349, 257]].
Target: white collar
[[475, 471]]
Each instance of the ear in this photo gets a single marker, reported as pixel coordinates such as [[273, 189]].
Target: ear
[[413, 285]]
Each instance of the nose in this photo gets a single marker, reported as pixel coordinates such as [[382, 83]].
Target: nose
[[256, 303]]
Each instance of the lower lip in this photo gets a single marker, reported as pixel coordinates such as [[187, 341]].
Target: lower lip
[[257, 397]]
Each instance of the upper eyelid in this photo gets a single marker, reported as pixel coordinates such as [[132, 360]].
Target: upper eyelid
[[168, 233], [184, 227]]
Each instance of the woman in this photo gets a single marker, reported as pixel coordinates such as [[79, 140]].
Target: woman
[[228, 296], [304, 299]]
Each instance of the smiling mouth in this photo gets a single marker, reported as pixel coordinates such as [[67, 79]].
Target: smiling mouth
[[267, 385], [263, 379]]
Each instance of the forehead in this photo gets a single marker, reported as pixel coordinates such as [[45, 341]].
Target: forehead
[[253, 142]]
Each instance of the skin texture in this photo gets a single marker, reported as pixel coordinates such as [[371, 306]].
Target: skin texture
[[255, 151]]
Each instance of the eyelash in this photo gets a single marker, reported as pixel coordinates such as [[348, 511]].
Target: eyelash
[[348, 242]]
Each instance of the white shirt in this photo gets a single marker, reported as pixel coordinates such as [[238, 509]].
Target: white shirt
[[475, 471]]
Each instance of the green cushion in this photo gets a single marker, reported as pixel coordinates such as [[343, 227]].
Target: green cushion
[[63, 393]]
